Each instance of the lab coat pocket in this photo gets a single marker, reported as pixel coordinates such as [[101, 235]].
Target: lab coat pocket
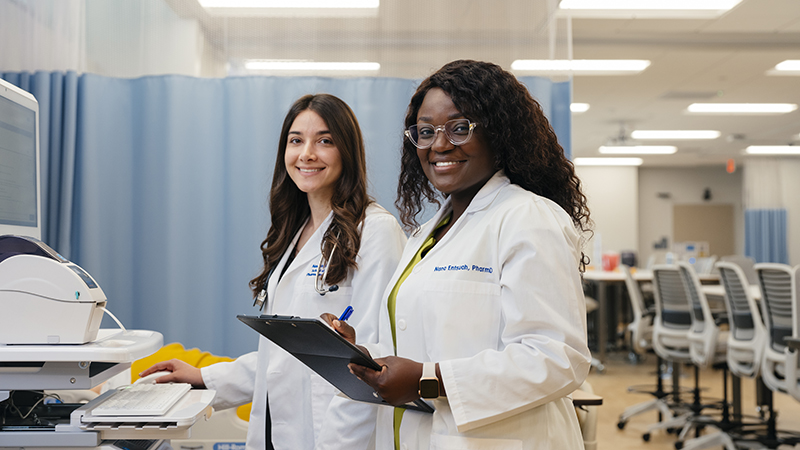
[[322, 392], [442, 442], [461, 318]]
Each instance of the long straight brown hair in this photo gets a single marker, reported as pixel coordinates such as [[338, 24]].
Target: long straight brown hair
[[289, 205]]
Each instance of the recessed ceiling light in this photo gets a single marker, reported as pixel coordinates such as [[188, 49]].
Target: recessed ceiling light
[[292, 8], [581, 66], [637, 149], [650, 9], [773, 150], [295, 66], [608, 161], [675, 134], [579, 107], [788, 67], [289, 3], [741, 108]]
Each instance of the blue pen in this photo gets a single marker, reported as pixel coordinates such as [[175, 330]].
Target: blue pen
[[347, 313]]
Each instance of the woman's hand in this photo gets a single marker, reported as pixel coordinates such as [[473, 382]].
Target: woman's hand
[[397, 382], [340, 327], [182, 372]]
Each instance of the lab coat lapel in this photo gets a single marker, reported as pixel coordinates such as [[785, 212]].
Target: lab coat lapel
[[481, 201], [310, 250], [487, 193]]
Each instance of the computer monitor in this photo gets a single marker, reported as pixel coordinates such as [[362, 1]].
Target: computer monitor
[[20, 196]]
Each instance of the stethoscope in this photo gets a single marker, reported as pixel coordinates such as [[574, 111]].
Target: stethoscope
[[319, 279]]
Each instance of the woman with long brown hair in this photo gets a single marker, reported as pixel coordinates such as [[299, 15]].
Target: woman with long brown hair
[[329, 246]]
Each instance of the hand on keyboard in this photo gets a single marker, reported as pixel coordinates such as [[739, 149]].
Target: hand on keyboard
[[142, 400], [181, 372], [151, 378]]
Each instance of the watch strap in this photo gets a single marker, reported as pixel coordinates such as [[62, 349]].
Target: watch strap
[[429, 370], [429, 383]]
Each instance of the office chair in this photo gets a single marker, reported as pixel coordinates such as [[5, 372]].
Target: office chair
[[746, 340], [671, 338], [708, 347], [747, 335], [592, 305], [777, 282], [640, 332], [792, 377], [708, 342]]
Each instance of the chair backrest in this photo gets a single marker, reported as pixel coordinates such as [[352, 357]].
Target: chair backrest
[[704, 332], [641, 326], [671, 302], [673, 317], [777, 293], [747, 335]]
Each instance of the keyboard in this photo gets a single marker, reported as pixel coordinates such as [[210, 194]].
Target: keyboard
[[142, 400]]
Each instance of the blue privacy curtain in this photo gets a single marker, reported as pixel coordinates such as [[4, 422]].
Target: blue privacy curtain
[[158, 186], [765, 235]]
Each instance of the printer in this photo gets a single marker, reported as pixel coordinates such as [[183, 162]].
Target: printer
[[44, 298]]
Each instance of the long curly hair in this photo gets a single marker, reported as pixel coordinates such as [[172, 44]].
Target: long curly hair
[[289, 205], [514, 126]]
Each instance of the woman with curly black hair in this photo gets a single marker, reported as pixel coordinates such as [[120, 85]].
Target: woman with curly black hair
[[486, 308]]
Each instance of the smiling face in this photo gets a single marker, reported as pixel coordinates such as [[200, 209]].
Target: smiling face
[[459, 171], [312, 160]]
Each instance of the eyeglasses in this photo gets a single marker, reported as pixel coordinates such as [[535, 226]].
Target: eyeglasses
[[458, 132]]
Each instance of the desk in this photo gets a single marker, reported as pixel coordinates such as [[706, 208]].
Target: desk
[[583, 398], [603, 279], [717, 290]]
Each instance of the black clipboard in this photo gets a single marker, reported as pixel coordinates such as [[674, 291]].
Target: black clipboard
[[325, 352]]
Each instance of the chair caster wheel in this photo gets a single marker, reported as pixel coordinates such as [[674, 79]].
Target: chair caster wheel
[[646, 437], [621, 424], [678, 445]]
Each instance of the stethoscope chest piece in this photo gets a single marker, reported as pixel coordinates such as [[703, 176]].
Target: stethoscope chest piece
[[261, 299]]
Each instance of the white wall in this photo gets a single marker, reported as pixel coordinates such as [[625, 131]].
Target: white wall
[[131, 39], [775, 183], [684, 186], [45, 36], [613, 205], [790, 179]]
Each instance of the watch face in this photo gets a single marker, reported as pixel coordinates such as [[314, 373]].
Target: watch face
[[429, 388]]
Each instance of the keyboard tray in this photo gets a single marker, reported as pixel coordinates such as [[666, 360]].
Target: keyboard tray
[[175, 424]]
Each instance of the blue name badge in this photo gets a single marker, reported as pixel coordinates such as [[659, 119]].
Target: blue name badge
[[464, 268], [229, 446]]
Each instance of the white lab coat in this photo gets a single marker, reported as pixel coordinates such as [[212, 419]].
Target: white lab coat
[[298, 397], [498, 303]]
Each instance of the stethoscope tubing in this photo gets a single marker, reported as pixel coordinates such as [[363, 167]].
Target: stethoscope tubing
[[319, 280]]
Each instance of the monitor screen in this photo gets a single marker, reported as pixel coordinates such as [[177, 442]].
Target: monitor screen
[[19, 162]]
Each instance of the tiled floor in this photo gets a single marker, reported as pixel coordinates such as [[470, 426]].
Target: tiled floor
[[621, 373]]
